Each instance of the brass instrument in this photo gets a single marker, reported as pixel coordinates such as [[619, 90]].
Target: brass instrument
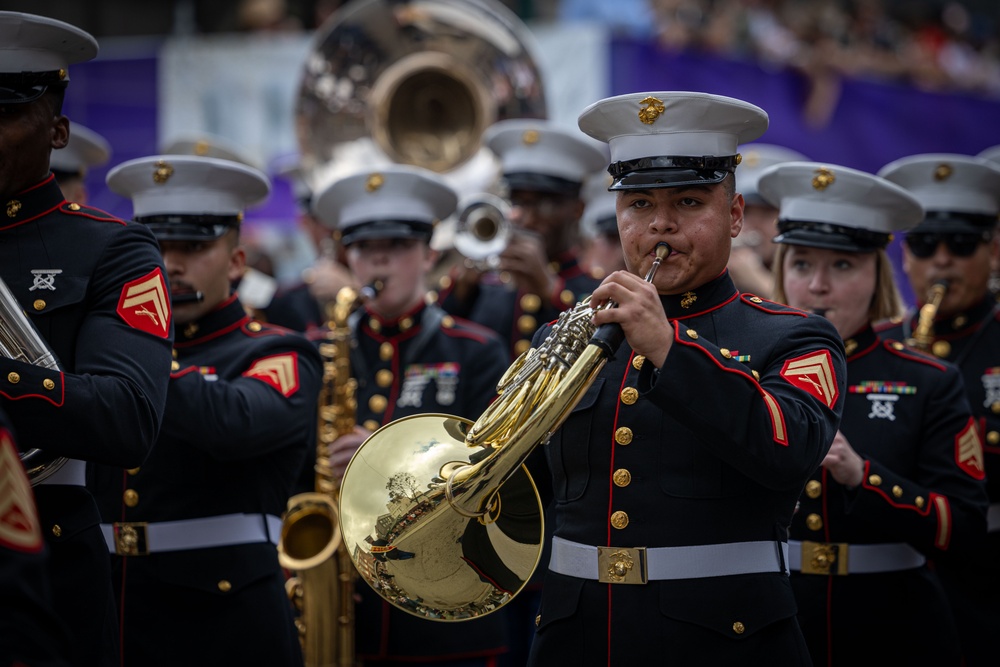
[[923, 335], [310, 545], [21, 341], [483, 229], [414, 82], [439, 513]]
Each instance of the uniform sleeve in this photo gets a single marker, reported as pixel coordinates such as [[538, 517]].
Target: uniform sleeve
[[272, 403], [106, 405], [943, 506], [774, 419]]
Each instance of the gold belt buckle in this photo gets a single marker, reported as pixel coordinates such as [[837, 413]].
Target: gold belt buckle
[[829, 558], [130, 539], [621, 565]]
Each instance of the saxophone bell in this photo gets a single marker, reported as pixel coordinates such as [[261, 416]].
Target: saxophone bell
[[923, 334]]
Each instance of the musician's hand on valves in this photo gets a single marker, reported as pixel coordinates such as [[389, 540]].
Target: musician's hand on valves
[[525, 262], [343, 448], [638, 311], [845, 465]]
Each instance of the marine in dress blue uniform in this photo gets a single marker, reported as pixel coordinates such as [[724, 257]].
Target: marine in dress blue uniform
[[544, 168], [192, 531], [94, 287], [30, 632], [675, 480], [957, 241], [418, 360], [906, 480]]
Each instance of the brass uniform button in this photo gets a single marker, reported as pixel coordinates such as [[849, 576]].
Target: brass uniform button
[[174, 366], [814, 522], [898, 346], [13, 377], [133, 471], [372, 425], [725, 353], [74, 207], [375, 325], [692, 334], [521, 346], [406, 323], [130, 497], [383, 378], [39, 304], [57, 530], [630, 395], [445, 282], [622, 477], [959, 322], [814, 488], [530, 303], [739, 628], [527, 324], [919, 501], [941, 348], [875, 480], [225, 586], [255, 326], [993, 437], [995, 407], [448, 322], [623, 435], [637, 362], [385, 351], [567, 297], [377, 403], [48, 384], [897, 491], [619, 520]]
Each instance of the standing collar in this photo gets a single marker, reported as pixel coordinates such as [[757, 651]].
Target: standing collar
[[228, 316], [702, 299], [31, 203]]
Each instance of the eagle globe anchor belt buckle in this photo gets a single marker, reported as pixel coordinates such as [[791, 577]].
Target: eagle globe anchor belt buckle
[[139, 538], [841, 558], [640, 565]]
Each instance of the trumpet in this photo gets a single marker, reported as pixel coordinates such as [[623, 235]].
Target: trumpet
[[483, 230]]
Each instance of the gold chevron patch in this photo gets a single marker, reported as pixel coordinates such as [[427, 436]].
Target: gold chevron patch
[[777, 419], [281, 372], [969, 451], [813, 373], [19, 527], [943, 534], [144, 304]]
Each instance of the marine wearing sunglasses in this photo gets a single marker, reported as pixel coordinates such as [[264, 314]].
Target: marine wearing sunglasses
[[923, 245]]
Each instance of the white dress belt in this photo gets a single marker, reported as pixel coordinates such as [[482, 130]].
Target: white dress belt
[[73, 472], [842, 558], [642, 564], [993, 518], [139, 539]]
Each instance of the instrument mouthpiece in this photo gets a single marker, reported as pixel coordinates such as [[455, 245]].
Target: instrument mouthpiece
[[371, 290], [663, 250]]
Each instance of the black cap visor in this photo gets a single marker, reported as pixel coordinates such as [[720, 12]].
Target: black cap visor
[[24, 87], [830, 236], [189, 227], [542, 183], [951, 222], [670, 171], [387, 229]]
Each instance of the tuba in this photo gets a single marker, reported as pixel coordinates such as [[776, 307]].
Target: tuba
[[439, 514], [322, 587], [414, 82], [923, 335], [20, 340]]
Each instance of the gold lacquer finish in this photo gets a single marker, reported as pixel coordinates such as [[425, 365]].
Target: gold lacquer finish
[[621, 565], [923, 334], [824, 558], [20, 340], [322, 585]]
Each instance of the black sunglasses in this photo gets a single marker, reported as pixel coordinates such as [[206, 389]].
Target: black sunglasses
[[924, 244]]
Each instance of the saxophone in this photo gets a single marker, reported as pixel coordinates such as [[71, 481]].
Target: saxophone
[[923, 335], [322, 585]]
